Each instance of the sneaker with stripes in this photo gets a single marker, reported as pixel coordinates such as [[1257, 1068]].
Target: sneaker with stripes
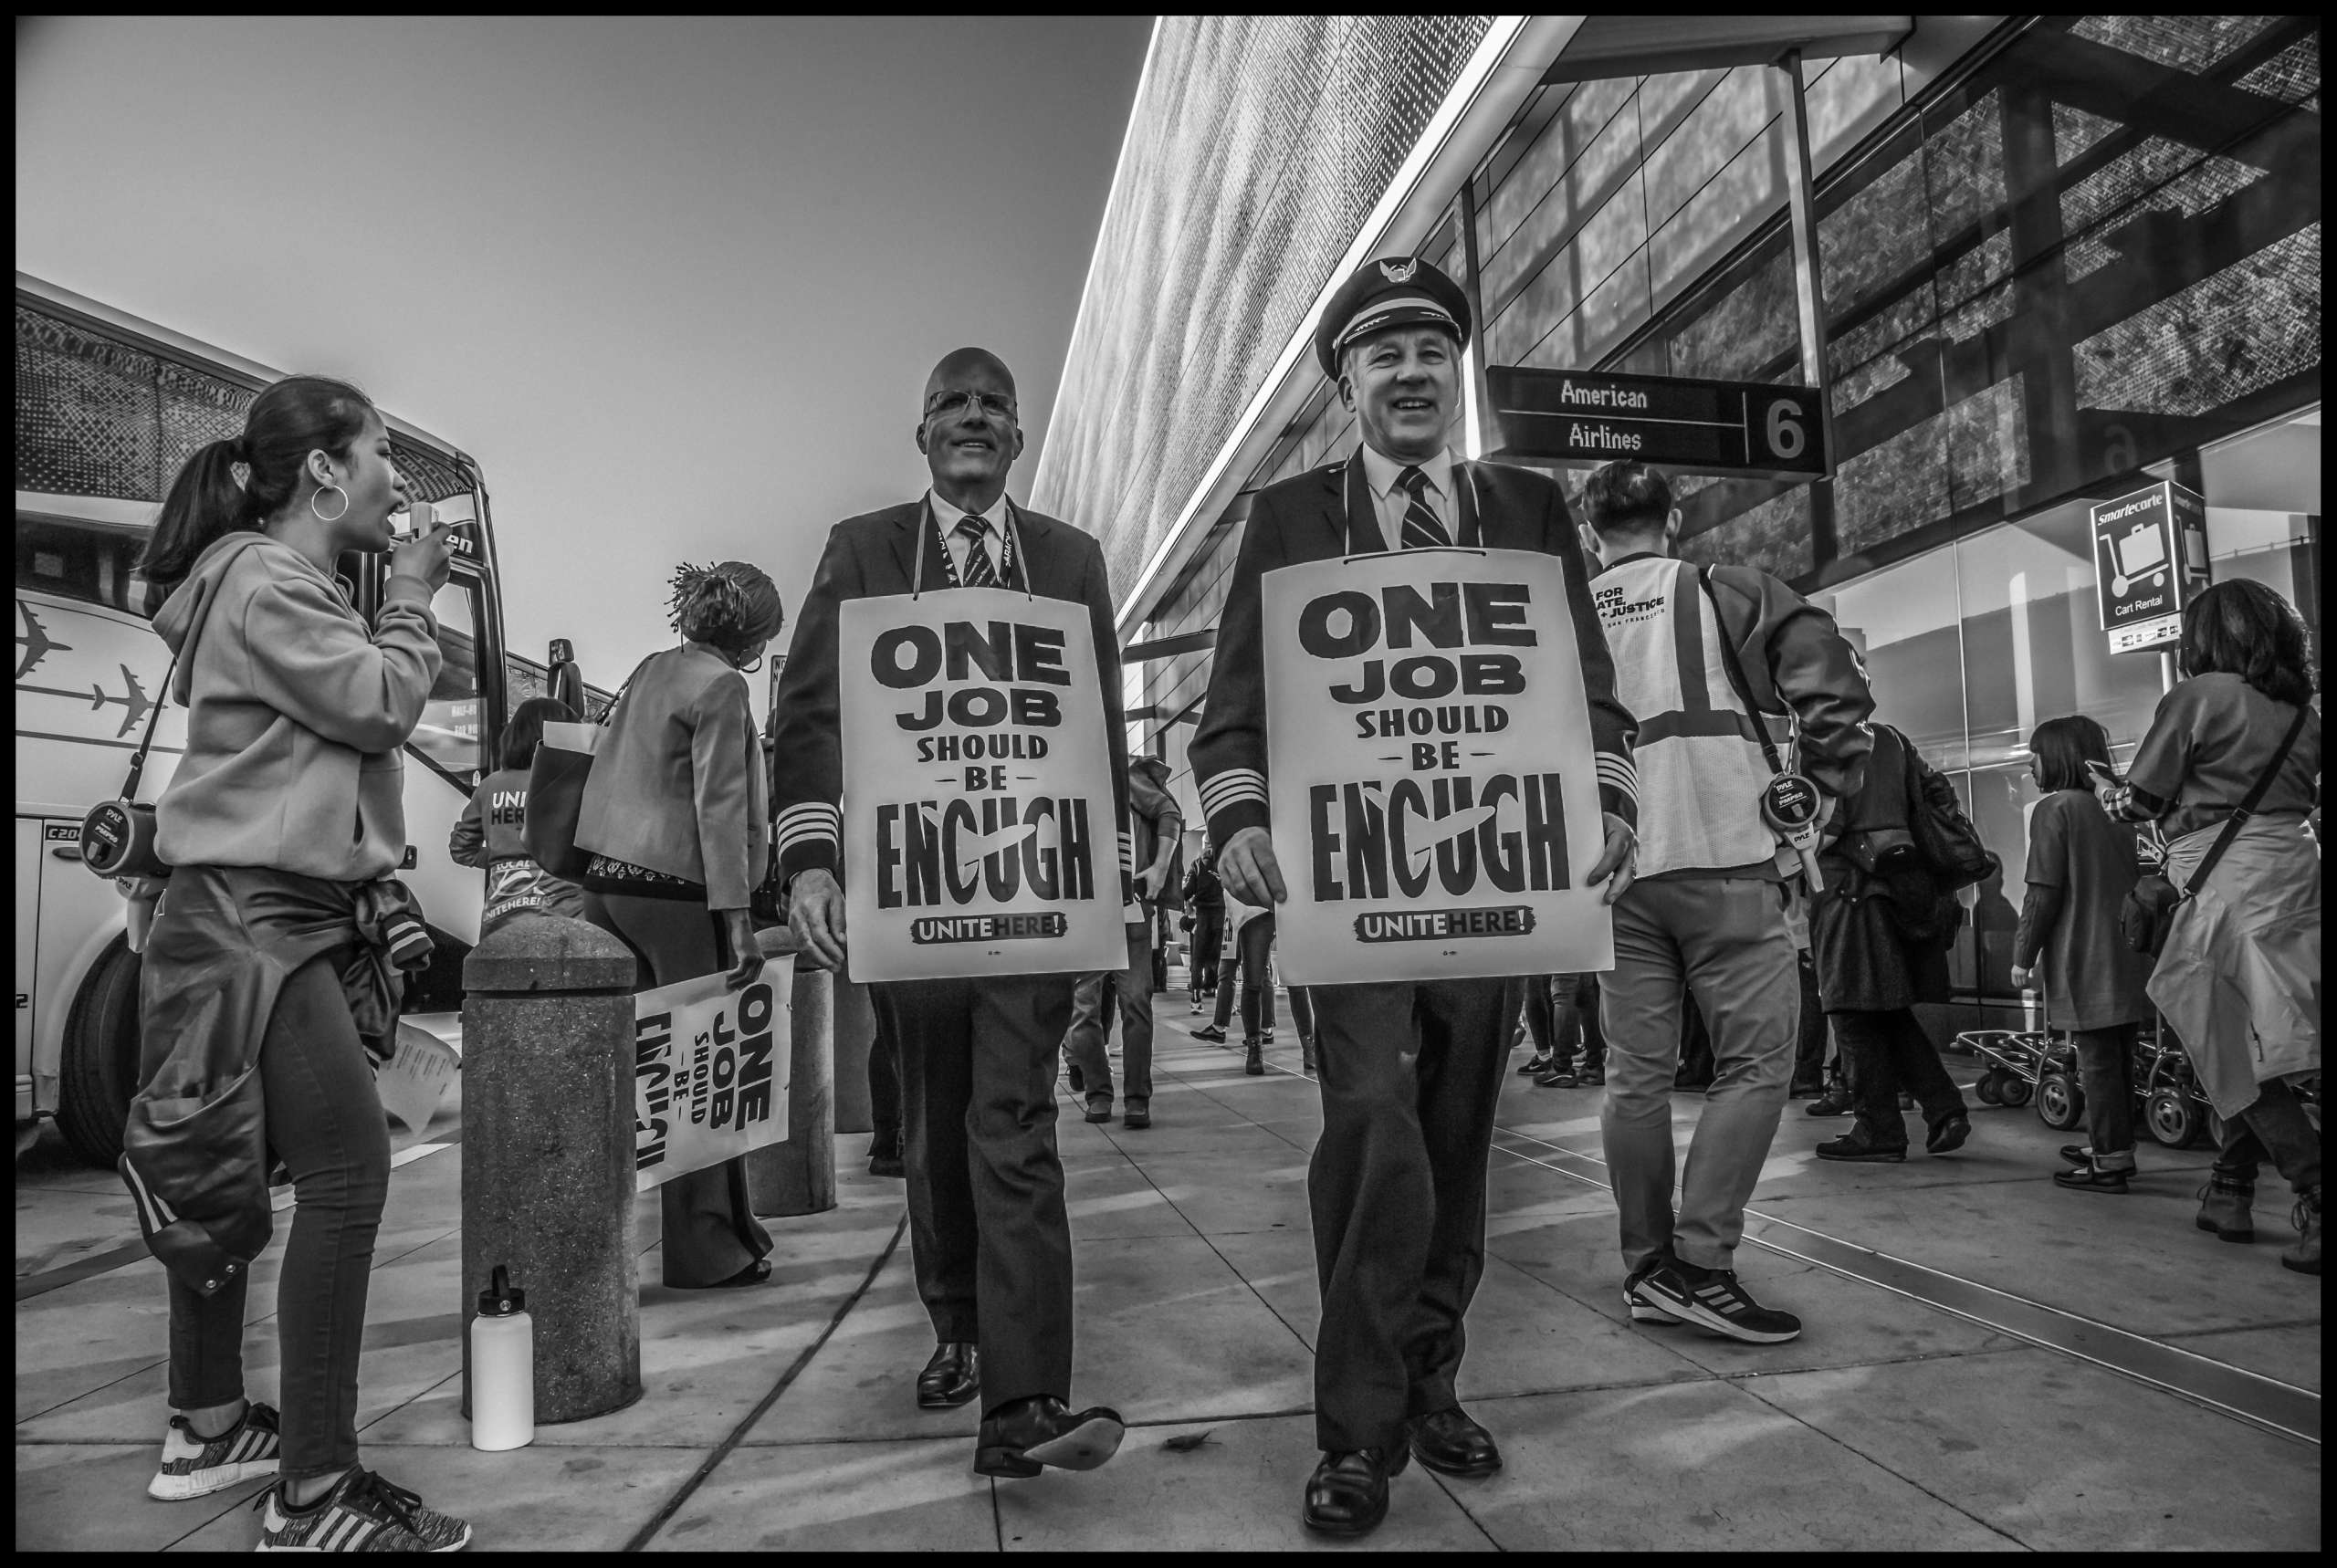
[[197, 1467], [1713, 1301], [1644, 1308], [362, 1512]]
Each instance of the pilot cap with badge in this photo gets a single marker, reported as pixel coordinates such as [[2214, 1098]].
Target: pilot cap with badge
[[1394, 291]]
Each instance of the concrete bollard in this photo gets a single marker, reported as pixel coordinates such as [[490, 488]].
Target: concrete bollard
[[548, 1142], [856, 1035], [799, 1176]]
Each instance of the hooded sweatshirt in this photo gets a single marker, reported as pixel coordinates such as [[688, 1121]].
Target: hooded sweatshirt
[[295, 714]]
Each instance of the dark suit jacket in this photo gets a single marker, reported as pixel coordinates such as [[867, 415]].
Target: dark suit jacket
[[1304, 519], [873, 556]]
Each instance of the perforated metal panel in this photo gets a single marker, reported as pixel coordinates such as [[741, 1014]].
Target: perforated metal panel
[[1258, 146], [96, 417]]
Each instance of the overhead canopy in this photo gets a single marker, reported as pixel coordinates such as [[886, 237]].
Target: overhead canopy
[[1650, 44]]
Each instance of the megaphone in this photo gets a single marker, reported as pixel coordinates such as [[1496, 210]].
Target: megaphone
[[1790, 805]]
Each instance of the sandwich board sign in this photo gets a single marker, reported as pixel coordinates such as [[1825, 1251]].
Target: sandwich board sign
[[2150, 559], [979, 823], [1429, 769]]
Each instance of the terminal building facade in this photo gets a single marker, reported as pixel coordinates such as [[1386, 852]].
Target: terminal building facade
[[2055, 259]]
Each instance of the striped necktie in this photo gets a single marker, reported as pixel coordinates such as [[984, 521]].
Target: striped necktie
[[979, 572], [1421, 530]]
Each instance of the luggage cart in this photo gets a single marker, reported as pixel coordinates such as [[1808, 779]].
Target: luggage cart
[[2017, 1063], [2026, 1064]]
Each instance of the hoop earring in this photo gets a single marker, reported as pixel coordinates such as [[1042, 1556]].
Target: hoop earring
[[319, 511], [749, 669]]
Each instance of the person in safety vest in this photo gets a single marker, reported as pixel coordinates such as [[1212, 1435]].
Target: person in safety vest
[[989, 1233], [1411, 1072], [1722, 664]]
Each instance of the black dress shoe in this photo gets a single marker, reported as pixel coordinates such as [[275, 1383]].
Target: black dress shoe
[[1347, 1493], [1947, 1134], [1448, 1441], [953, 1377], [1029, 1433], [1853, 1146]]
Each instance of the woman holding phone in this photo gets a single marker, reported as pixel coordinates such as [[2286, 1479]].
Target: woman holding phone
[[268, 972], [674, 817], [2082, 866], [2240, 978]]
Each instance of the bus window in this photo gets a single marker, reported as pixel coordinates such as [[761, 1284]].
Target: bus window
[[74, 559], [451, 720]]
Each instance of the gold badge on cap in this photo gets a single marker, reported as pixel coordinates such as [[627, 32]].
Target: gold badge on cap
[[1399, 271]]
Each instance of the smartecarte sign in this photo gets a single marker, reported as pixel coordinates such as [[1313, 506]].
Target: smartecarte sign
[[1714, 427], [2150, 559]]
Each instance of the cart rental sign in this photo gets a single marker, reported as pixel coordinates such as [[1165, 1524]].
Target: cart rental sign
[[2150, 559], [1429, 769]]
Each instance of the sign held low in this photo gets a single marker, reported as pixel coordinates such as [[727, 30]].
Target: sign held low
[[1748, 428]]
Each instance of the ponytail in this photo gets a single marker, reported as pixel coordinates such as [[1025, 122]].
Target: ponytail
[[206, 504], [232, 487]]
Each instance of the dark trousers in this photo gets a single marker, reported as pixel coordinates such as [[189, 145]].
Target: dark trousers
[[1809, 1043], [2106, 1071], [708, 1225], [1250, 976], [990, 1235], [2274, 1128], [1574, 1009], [1411, 1074], [1301, 1011], [324, 1122], [1889, 1051], [883, 1086], [1208, 935], [1540, 1019], [1092, 1005]]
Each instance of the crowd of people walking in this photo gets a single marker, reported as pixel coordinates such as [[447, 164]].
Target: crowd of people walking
[[1705, 686]]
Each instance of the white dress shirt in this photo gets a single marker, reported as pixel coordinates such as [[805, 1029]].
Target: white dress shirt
[[994, 542], [1391, 500]]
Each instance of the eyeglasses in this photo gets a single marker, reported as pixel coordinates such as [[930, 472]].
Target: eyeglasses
[[996, 405]]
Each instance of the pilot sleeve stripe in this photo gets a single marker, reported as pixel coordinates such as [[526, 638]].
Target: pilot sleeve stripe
[[1221, 791]]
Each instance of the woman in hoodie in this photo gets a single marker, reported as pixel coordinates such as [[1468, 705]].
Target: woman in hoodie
[[269, 973]]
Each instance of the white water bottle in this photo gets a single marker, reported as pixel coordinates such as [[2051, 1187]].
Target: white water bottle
[[503, 1368]]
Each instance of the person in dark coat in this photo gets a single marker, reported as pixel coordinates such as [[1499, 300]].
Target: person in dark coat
[[2081, 865], [1881, 930]]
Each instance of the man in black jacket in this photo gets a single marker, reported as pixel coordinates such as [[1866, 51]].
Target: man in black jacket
[[989, 1232], [1411, 1072]]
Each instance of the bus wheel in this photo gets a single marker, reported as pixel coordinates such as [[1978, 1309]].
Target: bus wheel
[[98, 1072]]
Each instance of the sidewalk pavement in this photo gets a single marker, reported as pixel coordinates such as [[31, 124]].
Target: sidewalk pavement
[[1917, 1411]]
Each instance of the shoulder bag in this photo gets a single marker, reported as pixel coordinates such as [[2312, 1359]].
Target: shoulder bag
[[2148, 912]]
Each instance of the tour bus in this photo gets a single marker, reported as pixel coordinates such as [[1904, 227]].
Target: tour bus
[[107, 408]]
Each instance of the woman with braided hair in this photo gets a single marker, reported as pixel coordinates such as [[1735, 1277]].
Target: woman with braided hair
[[675, 818]]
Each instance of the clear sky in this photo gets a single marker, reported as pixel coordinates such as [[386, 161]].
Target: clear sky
[[676, 284]]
